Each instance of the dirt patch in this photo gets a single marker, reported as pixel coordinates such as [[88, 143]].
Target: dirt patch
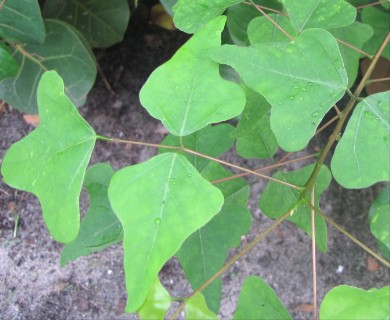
[[34, 286]]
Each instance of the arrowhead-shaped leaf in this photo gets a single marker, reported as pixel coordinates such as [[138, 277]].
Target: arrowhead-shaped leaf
[[102, 22], [8, 65], [300, 89], [51, 161], [206, 250], [346, 302], [21, 21], [187, 93], [211, 141], [191, 16], [319, 14], [257, 300], [100, 227], [255, 138], [196, 309], [159, 203], [63, 51], [156, 304], [379, 20], [277, 199], [362, 156]]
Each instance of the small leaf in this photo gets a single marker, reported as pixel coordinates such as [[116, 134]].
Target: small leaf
[[255, 138], [319, 14], [206, 250], [21, 21], [191, 93], [100, 228], [306, 89], [156, 304], [51, 161], [356, 35], [8, 65], [257, 300], [103, 23], [211, 141], [277, 199], [362, 156], [159, 203], [350, 303], [240, 15], [191, 16], [379, 20], [196, 309], [63, 51], [380, 225]]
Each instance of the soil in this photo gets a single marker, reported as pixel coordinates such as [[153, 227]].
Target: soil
[[34, 286]]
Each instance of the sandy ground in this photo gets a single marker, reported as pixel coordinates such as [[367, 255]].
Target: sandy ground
[[34, 286]]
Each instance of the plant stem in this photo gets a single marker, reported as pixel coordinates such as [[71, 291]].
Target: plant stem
[[371, 4], [314, 259], [336, 132], [378, 80], [233, 260], [354, 48]]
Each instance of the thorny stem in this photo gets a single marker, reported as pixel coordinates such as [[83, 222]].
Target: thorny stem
[[314, 259], [336, 132], [238, 256], [350, 236]]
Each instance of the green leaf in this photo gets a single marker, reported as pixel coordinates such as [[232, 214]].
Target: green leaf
[[196, 309], [255, 138], [257, 300], [21, 21], [362, 156], [8, 65], [206, 250], [100, 228], [300, 89], [356, 35], [277, 199], [261, 30], [156, 304], [380, 225], [191, 94], [319, 14], [191, 16], [168, 4], [239, 16], [51, 161], [159, 203], [350, 303], [103, 23], [211, 141], [379, 20], [63, 51]]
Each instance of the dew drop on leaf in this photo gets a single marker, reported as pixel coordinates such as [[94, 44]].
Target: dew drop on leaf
[[157, 221], [314, 114]]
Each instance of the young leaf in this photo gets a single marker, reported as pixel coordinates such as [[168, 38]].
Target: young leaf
[[300, 89], [8, 65], [63, 51], [277, 199], [196, 309], [191, 93], [319, 14], [345, 302], [206, 250], [159, 203], [103, 23], [51, 161], [21, 21], [239, 16], [257, 300], [211, 140], [156, 304], [356, 34], [380, 225], [362, 156], [255, 138], [100, 228], [191, 16], [379, 20]]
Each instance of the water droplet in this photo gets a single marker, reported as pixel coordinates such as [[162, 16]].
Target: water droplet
[[368, 114], [157, 221], [310, 84], [189, 175], [34, 183], [292, 98], [315, 114], [303, 89], [296, 85]]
